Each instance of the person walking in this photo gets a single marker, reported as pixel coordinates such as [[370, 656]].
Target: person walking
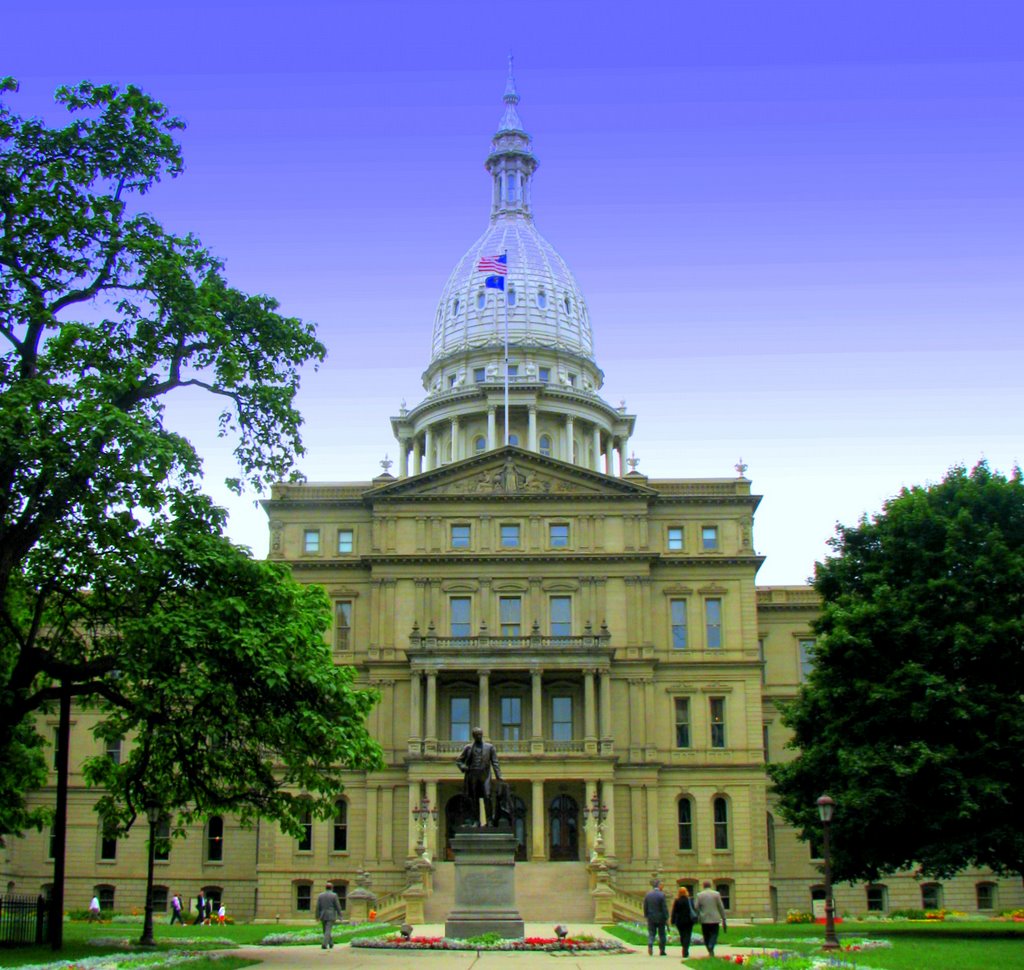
[[656, 914], [94, 909], [328, 911], [176, 910], [710, 912], [683, 917], [200, 909]]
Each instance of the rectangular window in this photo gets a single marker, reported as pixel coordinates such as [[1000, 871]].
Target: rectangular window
[[675, 538], [114, 750], [725, 891], [311, 540], [344, 541], [682, 722], [764, 742], [106, 897], [709, 538], [509, 536], [460, 718], [561, 616], [511, 718], [56, 748], [305, 841], [162, 832], [558, 535], [544, 373], [677, 609], [108, 847], [452, 378], [713, 624], [460, 536], [561, 718], [513, 370], [341, 826], [303, 897], [159, 899], [460, 612], [572, 380], [684, 812], [343, 625], [720, 810], [931, 896], [717, 712], [510, 614], [762, 660], [986, 894], [479, 375], [806, 659], [51, 851]]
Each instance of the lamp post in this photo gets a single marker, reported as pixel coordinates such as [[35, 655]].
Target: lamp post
[[825, 809], [153, 817], [598, 812], [423, 813]]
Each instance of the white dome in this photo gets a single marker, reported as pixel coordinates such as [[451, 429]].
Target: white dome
[[545, 305]]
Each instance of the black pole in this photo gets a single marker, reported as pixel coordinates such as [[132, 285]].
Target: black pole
[[147, 926], [60, 821], [831, 940]]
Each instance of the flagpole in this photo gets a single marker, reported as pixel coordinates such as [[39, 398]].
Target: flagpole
[[505, 301]]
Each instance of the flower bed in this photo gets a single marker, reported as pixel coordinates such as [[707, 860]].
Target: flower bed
[[529, 944], [126, 961]]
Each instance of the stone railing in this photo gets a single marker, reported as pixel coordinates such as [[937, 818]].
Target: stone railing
[[429, 642]]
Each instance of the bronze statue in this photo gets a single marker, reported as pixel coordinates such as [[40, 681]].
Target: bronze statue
[[476, 762]]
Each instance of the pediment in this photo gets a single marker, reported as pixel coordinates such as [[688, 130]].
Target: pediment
[[510, 473]]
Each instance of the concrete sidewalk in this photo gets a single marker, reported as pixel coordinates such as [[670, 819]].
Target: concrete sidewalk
[[344, 957]]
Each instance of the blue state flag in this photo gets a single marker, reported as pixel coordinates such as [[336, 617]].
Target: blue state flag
[[495, 282]]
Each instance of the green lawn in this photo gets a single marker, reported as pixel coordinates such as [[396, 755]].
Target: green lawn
[[981, 945], [78, 935]]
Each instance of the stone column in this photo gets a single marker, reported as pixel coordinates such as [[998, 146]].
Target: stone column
[[532, 435], [623, 445], [570, 436], [428, 448], [589, 719], [415, 712], [403, 457], [492, 432], [417, 456], [538, 823], [653, 852], [537, 735], [387, 824], [596, 465], [608, 799], [431, 725], [372, 828], [484, 706], [431, 838], [606, 712], [456, 443]]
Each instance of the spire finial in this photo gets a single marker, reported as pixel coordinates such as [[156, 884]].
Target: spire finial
[[511, 94]]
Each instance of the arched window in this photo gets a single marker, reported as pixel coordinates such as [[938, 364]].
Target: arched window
[[542, 299], [720, 810], [479, 443], [162, 836], [455, 306], [511, 296], [545, 445], [341, 825], [214, 895], [215, 839], [684, 819], [481, 300], [105, 894], [566, 303]]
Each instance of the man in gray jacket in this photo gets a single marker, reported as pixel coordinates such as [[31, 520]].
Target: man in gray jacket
[[656, 914], [328, 911], [710, 912]]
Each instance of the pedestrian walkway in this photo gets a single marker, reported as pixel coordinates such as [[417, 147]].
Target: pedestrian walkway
[[344, 957]]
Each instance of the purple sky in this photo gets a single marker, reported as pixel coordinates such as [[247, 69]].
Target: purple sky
[[798, 225]]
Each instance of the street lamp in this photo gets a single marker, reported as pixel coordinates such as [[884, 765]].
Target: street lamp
[[598, 812], [153, 817], [826, 807], [423, 813]]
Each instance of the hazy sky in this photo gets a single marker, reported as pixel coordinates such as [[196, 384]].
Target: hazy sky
[[798, 226]]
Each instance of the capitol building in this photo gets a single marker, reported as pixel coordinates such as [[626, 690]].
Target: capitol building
[[514, 570]]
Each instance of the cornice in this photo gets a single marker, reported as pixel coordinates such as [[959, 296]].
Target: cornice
[[508, 558]]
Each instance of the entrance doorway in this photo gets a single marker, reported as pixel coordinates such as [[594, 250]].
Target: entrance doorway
[[563, 824]]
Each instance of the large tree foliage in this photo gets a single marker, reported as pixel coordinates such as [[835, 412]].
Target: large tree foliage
[[103, 315], [228, 692], [913, 716]]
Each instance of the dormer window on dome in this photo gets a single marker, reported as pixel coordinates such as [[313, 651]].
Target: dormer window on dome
[[481, 300], [511, 296], [542, 299]]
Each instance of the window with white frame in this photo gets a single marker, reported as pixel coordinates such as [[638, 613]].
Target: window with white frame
[[460, 535], [303, 897], [677, 613], [561, 718], [460, 716], [720, 812], [545, 444], [877, 898], [806, 648], [304, 843], [561, 616], [510, 615], [558, 535], [682, 711], [162, 834], [716, 710], [343, 624], [311, 540], [709, 538], [675, 538], [461, 615], [684, 824], [511, 718], [509, 535], [114, 750], [931, 895], [713, 623], [345, 542]]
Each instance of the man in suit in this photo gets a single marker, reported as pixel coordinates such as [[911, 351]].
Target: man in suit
[[656, 914], [710, 912], [328, 911], [476, 762]]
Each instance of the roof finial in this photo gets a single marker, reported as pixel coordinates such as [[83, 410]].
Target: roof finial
[[511, 95]]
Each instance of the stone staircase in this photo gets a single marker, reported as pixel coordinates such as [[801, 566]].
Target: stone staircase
[[555, 892]]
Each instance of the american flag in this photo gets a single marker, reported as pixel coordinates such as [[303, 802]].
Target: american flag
[[493, 264]]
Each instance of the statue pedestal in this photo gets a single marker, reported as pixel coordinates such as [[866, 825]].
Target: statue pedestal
[[485, 889]]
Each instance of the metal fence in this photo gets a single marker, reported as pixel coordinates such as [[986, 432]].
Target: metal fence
[[22, 920]]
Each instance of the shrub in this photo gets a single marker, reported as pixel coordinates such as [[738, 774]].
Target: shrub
[[907, 914], [798, 916]]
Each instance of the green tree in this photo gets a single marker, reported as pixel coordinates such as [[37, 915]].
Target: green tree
[[913, 716], [103, 315]]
